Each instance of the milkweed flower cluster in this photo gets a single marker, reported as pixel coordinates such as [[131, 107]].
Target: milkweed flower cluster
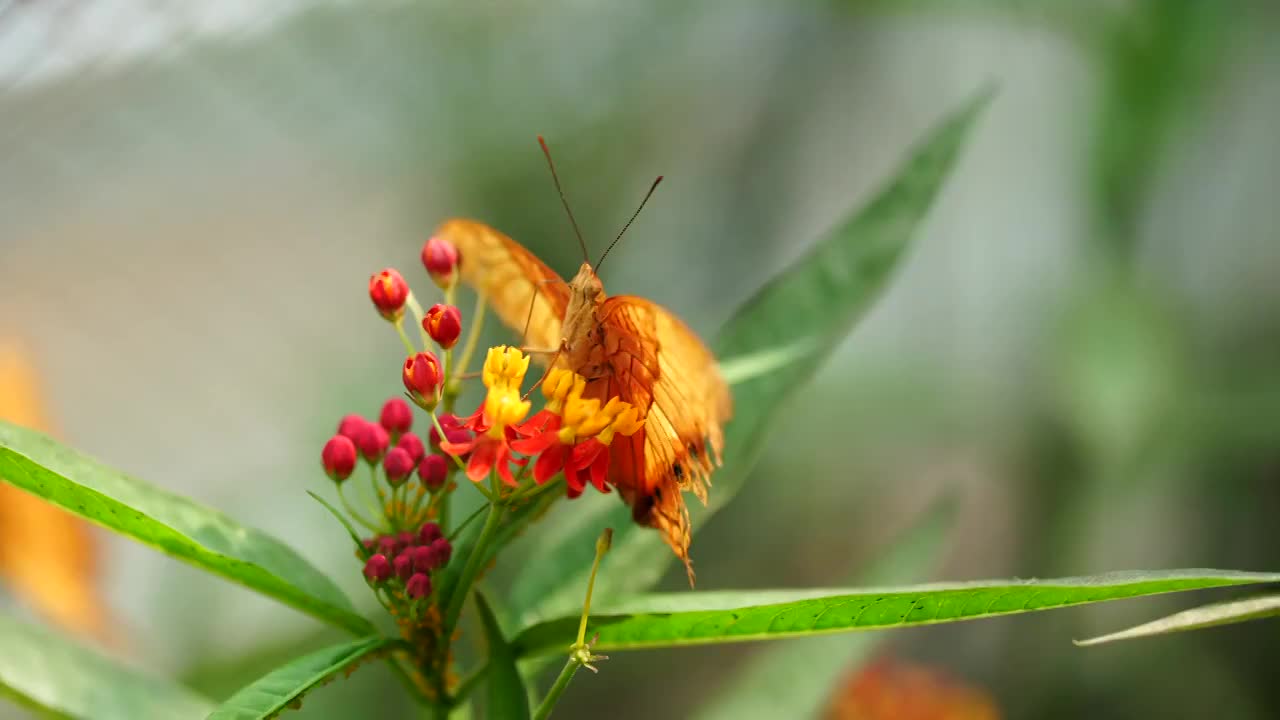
[[405, 507]]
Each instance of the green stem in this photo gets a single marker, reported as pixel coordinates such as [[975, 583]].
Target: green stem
[[468, 684], [469, 348], [453, 537], [354, 514], [416, 309], [553, 695], [472, 568], [408, 344]]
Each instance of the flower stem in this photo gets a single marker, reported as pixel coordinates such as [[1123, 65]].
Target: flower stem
[[468, 349], [474, 563], [553, 695], [580, 652], [408, 344], [416, 309], [355, 514]]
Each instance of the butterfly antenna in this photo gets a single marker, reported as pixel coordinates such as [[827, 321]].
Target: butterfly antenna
[[564, 201], [647, 195]]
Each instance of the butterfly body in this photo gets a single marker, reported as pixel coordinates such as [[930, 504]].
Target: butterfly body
[[626, 347]]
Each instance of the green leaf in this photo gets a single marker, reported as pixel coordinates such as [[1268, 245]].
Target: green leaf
[[678, 619], [199, 535], [274, 692], [792, 679], [507, 697], [1222, 613], [48, 672], [788, 328]]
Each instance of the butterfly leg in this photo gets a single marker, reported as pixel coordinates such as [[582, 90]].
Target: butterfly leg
[[555, 355]]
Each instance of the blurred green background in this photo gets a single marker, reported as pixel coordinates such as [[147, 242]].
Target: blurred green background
[[1083, 347]]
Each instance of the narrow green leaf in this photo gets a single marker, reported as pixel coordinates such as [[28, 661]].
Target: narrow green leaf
[[198, 535], [507, 697], [50, 673], [789, 327], [1222, 613], [792, 679], [274, 692], [677, 619]]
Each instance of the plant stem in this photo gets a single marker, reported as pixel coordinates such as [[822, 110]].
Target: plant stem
[[469, 349], [354, 514], [408, 344], [468, 684], [474, 563], [553, 695]]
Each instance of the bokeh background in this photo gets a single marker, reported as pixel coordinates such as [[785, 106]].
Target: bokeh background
[[1083, 348]]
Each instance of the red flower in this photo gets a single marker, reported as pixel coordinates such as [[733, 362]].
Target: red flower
[[444, 324], [338, 458], [422, 378], [396, 417], [350, 426], [389, 291], [493, 422], [440, 258]]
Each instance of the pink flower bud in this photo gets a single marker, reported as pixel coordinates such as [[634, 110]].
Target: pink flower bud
[[412, 444], [403, 566], [443, 551], [440, 258], [397, 466], [372, 442], [429, 533], [377, 569], [338, 458], [396, 417], [418, 586], [432, 471], [350, 426]]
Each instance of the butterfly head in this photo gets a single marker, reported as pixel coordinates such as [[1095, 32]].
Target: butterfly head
[[586, 286]]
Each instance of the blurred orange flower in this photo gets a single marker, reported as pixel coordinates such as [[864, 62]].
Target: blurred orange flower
[[889, 690], [47, 556]]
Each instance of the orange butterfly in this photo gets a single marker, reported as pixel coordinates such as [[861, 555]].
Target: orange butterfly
[[626, 347]]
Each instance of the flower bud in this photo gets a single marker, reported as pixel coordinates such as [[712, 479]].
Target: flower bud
[[387, 546], [372, 442], [418, 586], [422, 378], [413, 445], [444, 324], [338, 458], [396, 417], [406, 539], [350, 426], [440, 258], [442, 550], [429, 533], [403, 565], [397, 466], [432, 471], [388, 291], [425, 559], [377, 569]]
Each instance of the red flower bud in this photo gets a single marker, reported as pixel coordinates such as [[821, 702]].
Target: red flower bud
[[403, 566], [424, 559], [432, 471], [396, 417], [406, 539], [338, 458], [429, 533], [444, 324], [422, 378], [387, 546], [372, 442], [440, 258], [413, 445], [419, 586], [397, 466], [388, 291], [350, 426], [377, 569], [442, 550]]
